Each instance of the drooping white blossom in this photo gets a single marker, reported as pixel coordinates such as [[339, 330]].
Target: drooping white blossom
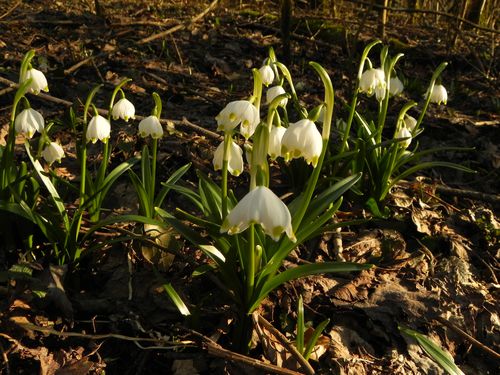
[[410, 122], [302, 139], [275, 91], [396, 87], [38, 81], [266, 74], [151, 126], [28, 122], [260, 206], [275, 137], [238, 112], [373, 82], [53, 152], [123, 109], [234, 157], [403, 132], [99, 129], [439, 94]]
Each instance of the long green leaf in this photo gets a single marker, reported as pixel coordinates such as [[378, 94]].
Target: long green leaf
[[176, 299], [142, 195], [50, 187], [301, 271], [172, 180], [114, 174], [314, 338], [442, 357]]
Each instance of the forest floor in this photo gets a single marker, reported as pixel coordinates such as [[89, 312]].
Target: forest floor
[[437, 255]]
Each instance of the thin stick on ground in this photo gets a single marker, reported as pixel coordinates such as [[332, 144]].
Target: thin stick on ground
[[469, 338], [216, 350], [179, 27]]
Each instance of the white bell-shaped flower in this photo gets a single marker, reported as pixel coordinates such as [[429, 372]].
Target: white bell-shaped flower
[[28, 122], [260, 206], [302, 139], [410, 122], [151, 126], [395, 86], [123, 109], [403, 132], [439, 94], [275, 137], [53, 152], [234, 158], [238, 112], [99, 129], [373, 81], [38, 81], [266, 74], [275, 91]]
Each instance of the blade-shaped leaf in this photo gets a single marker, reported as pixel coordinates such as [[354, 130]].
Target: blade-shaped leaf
[[442, 357], [176, 299]]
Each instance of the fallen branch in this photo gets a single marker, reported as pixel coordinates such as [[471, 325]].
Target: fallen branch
[[179, 27], [258, 319], [216, 350]]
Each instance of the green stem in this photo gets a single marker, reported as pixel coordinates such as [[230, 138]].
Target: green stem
[[153, 174], [83, 145], [354, 101], [436, 74], [250, 265], [225, 162]]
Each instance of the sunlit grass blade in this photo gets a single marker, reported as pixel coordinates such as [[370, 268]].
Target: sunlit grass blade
[[176, 299], [314, 338], [442, 357], [50, 187], [299, 342], [167, 186]]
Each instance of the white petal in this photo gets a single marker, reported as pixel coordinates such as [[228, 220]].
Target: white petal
[[235, 158], [410, 122], [266, 74], [302, 139], [260, 206], [275, 137], [123, 109], [403, 132], [273, 92], [396, 86], [53, 152], [38, 81], [151, 126], [99, 129], [28, 122], [439, 94]]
